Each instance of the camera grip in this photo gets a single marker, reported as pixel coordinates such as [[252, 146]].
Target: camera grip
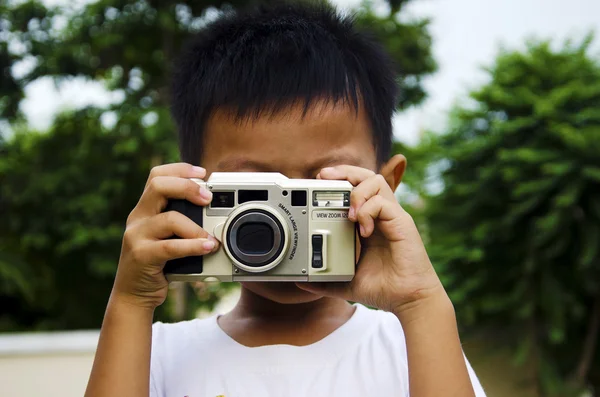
[[190, 264]]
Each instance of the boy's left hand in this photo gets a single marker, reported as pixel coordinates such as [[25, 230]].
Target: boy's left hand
[[394, 271]]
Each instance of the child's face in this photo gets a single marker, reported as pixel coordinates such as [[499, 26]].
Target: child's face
[[295, 145]]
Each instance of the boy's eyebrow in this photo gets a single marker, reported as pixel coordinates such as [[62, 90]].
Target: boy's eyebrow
[[241, 163], [235, 164], [338, 160]]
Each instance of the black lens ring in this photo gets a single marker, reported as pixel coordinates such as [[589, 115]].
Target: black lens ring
[[273, 256]]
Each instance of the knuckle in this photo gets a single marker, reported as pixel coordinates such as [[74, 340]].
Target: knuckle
[[191, 187], [131, 218], [155, 184], [171, 218], [363, 211], [200, 232], [129, 237], [189, 168], [155, 171], [362, 215], [380, 178], [379, 200], [169, 247]]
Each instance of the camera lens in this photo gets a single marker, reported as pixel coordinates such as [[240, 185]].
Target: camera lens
[[255, 239]]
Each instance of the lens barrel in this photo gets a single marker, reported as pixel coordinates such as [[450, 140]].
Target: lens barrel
[[255, 238]]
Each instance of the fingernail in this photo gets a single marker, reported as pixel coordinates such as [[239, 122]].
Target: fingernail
[[211, 238], [351, 213], [362, 230], [198, 170], [205, 193], [208, 245], [328, 170]]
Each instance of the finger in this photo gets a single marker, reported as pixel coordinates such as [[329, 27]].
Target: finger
[[158, 252], [341, 290], [182, 170], [160, 189], [376, 208], [350, 173], [372, 186], [173, 223]]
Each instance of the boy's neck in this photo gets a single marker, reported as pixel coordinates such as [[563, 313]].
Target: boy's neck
[[257, 321]]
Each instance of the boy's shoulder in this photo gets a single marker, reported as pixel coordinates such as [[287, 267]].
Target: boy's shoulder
[[198, 329]]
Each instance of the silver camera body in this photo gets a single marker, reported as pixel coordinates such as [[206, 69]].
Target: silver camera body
[[271, 228]]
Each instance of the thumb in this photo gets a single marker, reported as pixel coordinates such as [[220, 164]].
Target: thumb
[[341, 289]]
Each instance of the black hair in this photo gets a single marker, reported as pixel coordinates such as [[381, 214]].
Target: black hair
[[268, 58]]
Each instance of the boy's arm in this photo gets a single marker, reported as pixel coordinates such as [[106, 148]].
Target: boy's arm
[[122, 363], [394, 273], [436, 362]]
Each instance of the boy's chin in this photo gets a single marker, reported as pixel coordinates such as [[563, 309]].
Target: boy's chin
[[281, 292]]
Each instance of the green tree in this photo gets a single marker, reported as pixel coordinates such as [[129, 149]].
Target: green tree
[[65, 193], [515, 231]]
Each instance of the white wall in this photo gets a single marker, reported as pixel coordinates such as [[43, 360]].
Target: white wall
[[46, 364], [63, 375], [58, 364]]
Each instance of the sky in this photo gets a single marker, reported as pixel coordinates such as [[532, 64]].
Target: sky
[[467, 35]]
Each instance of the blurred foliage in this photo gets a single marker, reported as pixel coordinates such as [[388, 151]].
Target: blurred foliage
[[65, 193], [515, 231], [408, 44]]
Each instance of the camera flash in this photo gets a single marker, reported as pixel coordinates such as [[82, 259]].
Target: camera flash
[[331, 199]]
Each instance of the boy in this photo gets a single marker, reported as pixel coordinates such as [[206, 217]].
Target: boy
[[296, 90]]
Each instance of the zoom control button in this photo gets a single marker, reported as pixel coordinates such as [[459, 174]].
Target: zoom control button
[[317, 251]]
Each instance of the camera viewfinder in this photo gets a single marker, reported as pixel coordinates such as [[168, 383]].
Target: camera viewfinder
[[223, 200], [299, 198]]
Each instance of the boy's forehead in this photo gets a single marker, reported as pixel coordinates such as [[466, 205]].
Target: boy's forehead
[[295, 141]]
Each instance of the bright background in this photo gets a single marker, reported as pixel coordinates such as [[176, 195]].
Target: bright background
[[466, 36]]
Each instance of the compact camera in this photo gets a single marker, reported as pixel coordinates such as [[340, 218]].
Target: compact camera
[[271, 228]]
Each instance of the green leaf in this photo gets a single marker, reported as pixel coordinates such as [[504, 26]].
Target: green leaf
[[540, 186], [569, 195], [590, 245], [592, 173], [522, 352]]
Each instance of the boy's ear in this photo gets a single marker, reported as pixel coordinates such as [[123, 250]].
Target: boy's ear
[[393, 170]]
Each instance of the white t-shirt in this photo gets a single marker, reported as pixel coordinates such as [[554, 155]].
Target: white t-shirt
[[364, 357]]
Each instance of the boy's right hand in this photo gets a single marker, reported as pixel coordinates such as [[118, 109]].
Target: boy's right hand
[[147, 242]]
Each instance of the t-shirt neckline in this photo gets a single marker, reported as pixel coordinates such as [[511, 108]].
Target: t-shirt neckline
[[328, 348]]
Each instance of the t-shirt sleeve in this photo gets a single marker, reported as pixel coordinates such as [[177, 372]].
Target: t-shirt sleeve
[[153, 389], [156, 373], [479, 392]]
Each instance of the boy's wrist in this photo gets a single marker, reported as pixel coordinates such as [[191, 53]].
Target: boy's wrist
[[435, 304], [124, 302]]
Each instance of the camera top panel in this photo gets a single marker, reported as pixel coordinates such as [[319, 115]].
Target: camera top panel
[[262, 178]]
